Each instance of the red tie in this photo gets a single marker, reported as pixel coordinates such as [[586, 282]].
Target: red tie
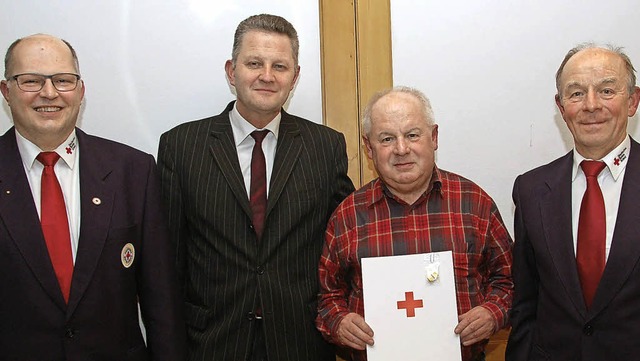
[[55, 225], [258, 189], [592, 232]]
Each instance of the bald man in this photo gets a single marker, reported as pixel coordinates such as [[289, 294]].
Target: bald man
[[82, 235]]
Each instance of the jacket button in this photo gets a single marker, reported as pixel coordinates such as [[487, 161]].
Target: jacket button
[[588, 330], [260, 270], [251, 316], [69, 332]]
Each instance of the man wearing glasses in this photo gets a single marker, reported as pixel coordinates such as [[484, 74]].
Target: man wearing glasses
[[82, 237]]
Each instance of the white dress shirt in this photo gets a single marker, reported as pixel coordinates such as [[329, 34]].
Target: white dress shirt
[[610, 181], [68, 174], [242, 130]]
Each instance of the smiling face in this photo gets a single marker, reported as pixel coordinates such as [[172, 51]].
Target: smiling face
[[402, 145], [47, 117], [595, 101], [264, 74]]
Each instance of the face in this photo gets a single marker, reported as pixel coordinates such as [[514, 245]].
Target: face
[[402, 145], [595, 102], [47, 117], [264, 74]]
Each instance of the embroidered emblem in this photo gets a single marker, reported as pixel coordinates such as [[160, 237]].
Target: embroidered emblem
[[71, 146], [620, 157], [127, 255]]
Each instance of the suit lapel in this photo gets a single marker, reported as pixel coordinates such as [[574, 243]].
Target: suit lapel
[[96, 204], [287, 155], [223, 150], [555, 211], [625, 248], [20, 217]]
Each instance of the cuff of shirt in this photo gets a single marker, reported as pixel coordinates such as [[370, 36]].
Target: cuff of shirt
[[499, 316]]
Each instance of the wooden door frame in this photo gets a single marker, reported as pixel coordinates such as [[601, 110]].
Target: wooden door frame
[[355, 48]]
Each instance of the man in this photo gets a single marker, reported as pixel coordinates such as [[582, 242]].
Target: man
[[413, 200], [82, 239], [575, 271], [248, 262]]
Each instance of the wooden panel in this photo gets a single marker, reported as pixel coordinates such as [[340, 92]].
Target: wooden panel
[[339, 76], [375, 67], [497, 345], [355, 41]]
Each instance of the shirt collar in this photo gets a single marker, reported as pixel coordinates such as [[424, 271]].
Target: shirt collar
[[381, 191], [29, 151], [616, 160], [242, 128]]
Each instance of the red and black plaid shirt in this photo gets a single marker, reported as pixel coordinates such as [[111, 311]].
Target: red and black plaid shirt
[[454, 214]]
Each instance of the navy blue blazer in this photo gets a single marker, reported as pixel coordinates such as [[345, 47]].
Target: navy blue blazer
[[549, 318], [120, 204]]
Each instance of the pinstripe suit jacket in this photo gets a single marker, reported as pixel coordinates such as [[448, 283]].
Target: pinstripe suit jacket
[[223, 268]]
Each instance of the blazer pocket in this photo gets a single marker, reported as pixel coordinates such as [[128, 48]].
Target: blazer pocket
[[196, 316], [128, 233]]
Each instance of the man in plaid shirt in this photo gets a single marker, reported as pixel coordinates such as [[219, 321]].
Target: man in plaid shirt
[[414, 207]]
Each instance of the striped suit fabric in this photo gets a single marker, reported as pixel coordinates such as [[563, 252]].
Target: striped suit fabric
[[224, 270]]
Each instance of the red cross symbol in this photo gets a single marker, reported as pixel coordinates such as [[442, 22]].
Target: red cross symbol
[[68, 149], [616, 161], [410, 304]]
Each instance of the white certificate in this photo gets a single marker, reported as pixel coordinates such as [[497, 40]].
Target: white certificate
[[410, 303]]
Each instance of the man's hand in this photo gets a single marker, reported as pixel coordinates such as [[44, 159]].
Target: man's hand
[[476, 325], [354, 332]]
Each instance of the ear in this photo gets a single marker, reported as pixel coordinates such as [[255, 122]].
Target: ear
[[367, 144], [434, 136], [295, 77], [82, 89], [5, 90], [559, 104], [634, 98], [229, 69]]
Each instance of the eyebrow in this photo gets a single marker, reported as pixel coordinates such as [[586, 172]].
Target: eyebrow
[[603, 81]]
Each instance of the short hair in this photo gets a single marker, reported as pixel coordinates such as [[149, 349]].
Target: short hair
[[265, 23], [631, 76], [427, 111], [9, 55]]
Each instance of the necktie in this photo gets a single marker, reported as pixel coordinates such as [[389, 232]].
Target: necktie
[[55, 225], [258, 188], [591, 232]]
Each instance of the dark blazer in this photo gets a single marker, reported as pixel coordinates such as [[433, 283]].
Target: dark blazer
[[224, 269], [120, 204], [549, 318]]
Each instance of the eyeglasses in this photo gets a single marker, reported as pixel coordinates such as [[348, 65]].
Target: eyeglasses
[[31, 82]]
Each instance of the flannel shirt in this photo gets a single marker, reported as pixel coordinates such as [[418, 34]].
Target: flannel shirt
[[453, 214]]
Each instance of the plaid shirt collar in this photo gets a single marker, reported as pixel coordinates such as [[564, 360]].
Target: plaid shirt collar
[[379, 190]]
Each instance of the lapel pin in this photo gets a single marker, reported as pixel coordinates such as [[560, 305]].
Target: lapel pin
[[97, 201], [127, 255], [432, 269]]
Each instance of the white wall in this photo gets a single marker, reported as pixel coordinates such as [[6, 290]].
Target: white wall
[[489, 67], [150, 65]]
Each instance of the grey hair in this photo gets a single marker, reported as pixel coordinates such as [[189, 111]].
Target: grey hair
[[427, 111], [8, 58], [631, 76], [265, 23]]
